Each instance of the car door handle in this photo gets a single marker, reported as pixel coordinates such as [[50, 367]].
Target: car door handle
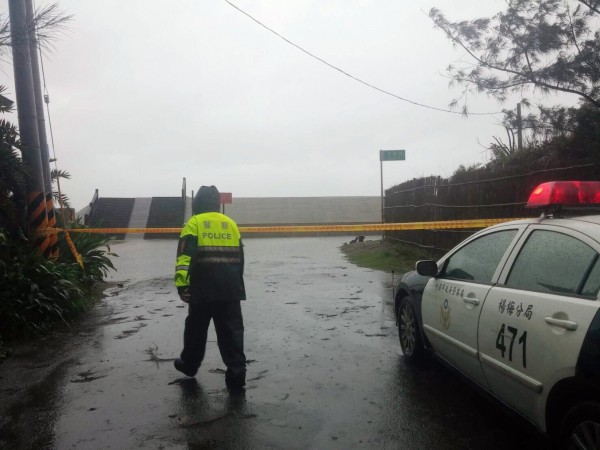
[[566, 324], [471, 300]]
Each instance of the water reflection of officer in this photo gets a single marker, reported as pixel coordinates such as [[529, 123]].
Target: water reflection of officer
[[210, 422], [209, 276]]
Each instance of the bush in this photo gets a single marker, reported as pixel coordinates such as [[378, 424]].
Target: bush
[[96, 260], [36, 293]]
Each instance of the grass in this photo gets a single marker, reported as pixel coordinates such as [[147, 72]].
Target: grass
[[387, 255]]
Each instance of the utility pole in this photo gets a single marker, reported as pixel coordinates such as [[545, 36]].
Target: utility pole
[[39, 108], [28, 126], [519, 128]]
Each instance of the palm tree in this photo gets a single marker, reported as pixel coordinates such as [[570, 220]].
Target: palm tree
[[60, 199], [12, 177]]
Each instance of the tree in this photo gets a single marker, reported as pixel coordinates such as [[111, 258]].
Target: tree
[[548, 124], [48, 22], [546, 45], [12, 177], [60, 198]]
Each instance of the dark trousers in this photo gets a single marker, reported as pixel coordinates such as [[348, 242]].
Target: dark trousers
[[229, 325]]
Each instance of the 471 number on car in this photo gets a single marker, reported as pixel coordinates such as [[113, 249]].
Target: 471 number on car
[[508, 333]]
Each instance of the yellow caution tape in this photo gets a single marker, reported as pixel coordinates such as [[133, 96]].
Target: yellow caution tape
[[439, 225], [357, 228], [125, 230], [50, 231], [53, 231], [73, 249]]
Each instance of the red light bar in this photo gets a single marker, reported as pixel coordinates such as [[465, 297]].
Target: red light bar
[[567, 193]]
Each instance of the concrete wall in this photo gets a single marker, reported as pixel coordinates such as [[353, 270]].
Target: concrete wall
[[257, 211], [304, 210]]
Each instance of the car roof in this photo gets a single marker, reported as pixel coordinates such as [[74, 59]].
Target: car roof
[[587, 224], [595, 219]]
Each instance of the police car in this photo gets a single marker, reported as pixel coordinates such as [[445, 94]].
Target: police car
[[515, 308]]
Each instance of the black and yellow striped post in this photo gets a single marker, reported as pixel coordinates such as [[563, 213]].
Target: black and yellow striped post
[[51, 224], [38, 221], [39, 109], [28, 127]]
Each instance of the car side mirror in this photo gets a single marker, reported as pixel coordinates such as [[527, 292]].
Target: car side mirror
[[427, 268]]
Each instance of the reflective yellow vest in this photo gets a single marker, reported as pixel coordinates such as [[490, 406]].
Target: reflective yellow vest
[[210, 258]]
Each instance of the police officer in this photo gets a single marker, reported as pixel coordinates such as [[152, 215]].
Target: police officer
[[209, 276]]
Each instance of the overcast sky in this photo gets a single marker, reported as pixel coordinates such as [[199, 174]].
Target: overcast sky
[[146, 92]]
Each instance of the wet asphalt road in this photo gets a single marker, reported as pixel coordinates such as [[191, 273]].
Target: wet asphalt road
[[325, 368]]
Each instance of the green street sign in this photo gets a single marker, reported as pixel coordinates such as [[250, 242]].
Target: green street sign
[[392, 155]]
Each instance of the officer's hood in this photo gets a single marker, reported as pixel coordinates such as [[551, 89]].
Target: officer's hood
[[206, 200]]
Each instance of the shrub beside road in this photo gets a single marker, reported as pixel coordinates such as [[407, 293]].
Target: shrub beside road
[[387, 255]]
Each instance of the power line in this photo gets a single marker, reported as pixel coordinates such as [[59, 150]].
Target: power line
[[352, 76]]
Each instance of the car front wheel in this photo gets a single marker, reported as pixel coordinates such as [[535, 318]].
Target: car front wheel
[[409, 332]]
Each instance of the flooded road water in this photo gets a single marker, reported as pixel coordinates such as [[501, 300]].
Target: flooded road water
[[324, 367]]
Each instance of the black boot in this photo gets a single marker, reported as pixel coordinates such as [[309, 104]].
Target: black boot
[[180, 365]]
